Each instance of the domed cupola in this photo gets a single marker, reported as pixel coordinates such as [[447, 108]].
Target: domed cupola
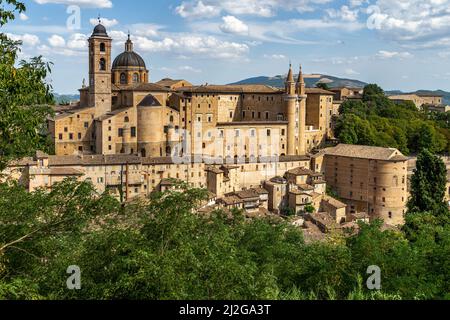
[[129, 67], [99, 31]]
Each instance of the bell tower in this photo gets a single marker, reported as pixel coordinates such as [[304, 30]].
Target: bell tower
[[100, 70]]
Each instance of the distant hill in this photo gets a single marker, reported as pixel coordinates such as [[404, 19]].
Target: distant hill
[[444, 94], [65, 98], [311, 81]]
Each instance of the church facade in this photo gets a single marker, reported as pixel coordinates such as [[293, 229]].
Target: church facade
[[122, 112]]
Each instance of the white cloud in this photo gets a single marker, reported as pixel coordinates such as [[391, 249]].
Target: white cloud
[[108, 23], [410, 21], [344, 13], [383, 54], [232, 24], [77, 41], [357, 3], [23, 16], [81, 3], [282, 31], [189, 69], [351, 72], [193, 45], [57, 41], [51, 51], [262, 8], [196, 10], [275, 56], [146, 29], [27, 39]]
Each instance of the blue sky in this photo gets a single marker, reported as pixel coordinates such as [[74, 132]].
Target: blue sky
[[399, 44]]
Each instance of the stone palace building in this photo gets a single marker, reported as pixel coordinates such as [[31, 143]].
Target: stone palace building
[[254, 147]]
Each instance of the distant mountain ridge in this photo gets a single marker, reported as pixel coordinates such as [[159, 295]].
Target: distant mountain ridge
[[310, 80], [65, 98]]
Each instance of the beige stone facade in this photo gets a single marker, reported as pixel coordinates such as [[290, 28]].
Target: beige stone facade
[[419, 99], [368, 179], [248, 145], [121, 112]]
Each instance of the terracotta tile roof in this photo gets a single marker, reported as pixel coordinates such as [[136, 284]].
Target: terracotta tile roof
[[319, 91], [169, 82], [148, 87], [112, 113], [233, 89], [149, 101], [261, 191], [334, 202], [305, 187], [300, 172], [214, 170], [231, 200], [366, 152], [71, 112], [247, 194], [300, 193], [65, 172]]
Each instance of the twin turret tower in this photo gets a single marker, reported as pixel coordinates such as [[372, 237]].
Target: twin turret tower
[[295, 104]]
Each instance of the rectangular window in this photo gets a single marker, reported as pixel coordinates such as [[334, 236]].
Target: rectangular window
[[133, 132], [120, 132], [70, 136], [86, 125], [79, 136], [60, 136]]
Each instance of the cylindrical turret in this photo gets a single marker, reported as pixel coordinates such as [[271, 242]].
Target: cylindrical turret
[[290, 101], [301, 91]]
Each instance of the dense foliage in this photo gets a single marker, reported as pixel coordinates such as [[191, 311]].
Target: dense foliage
[[378, 121], [160, 248], [24, 95]]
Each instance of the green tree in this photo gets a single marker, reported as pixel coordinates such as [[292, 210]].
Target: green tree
[[24, 96], [323, 86], [428, 185], [371, 91]]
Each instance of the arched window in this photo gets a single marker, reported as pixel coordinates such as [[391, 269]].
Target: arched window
[[395, 181], [168, 150], [171, 119], [136, 78], [102, 64], [102, 47], [123, 78], [143, 153], [126, 119]]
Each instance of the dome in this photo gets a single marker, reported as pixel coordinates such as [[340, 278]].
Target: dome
[[129, 59], [100, 30]]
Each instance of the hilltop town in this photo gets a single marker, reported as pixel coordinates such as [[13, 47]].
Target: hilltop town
[[265, 150]]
